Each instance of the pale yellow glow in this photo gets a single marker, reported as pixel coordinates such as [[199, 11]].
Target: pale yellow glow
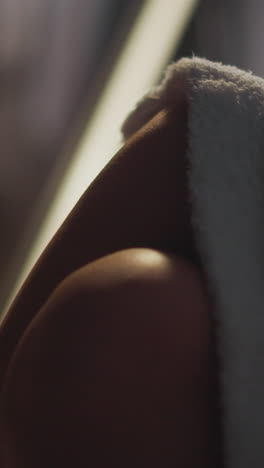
[[148, 50]]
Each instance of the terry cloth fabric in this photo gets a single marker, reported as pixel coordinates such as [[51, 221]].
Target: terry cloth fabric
[[226, 182]]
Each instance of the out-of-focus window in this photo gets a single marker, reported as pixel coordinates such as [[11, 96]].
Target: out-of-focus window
[[54, 54]]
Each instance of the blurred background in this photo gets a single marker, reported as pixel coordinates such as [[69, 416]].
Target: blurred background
[[70, 71]]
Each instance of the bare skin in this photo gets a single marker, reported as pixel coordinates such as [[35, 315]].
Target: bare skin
[[139, 201], [116, 370]]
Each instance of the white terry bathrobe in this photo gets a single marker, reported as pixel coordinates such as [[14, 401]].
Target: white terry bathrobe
[[226, 181]]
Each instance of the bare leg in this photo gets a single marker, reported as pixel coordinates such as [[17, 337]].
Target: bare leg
[[116, 371], [139, 200]]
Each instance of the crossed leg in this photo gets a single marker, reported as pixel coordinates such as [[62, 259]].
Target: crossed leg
[[105, 356], [116, 370], [140, 199]]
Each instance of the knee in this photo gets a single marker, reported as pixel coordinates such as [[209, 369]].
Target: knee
[[134, 294], [148, 280], [136, 287], [134, 281], [142, 269], [112, 335]]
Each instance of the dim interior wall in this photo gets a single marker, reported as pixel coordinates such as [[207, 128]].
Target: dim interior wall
[[231, 31]]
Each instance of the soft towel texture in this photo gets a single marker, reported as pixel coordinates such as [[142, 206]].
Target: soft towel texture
[[226, 180]]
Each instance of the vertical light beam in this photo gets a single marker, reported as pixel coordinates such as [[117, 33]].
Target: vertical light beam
[[148, 49]]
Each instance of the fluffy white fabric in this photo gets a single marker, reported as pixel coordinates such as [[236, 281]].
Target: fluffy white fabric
[[226, 179]]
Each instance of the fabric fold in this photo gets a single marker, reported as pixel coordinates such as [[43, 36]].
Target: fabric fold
[[226, 181]]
